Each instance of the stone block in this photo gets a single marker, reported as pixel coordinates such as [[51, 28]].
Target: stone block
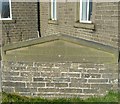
[[74, 74], [38, 79], [70, 90], [42, 90], [98, 80], [26, 74], [10, 73], [8, 89], [75, 70], [13, 84], [60, 79], [26, 89], [19, 78], [78, 80], [110, 75], [92, 91], [35, 85], [79, 85], [61, 84], [102, 86], [89, 75], [50, 84]]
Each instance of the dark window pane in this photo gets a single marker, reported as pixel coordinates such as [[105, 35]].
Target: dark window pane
[[0, 8], [5, 10], [90, 10]]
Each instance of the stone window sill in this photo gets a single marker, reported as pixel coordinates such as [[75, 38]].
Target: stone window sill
[[9, 21], [89, 26], [53, 22]]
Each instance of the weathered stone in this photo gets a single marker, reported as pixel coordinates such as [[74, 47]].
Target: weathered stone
[[61, 84], [75, 70], [92, 91], [19, 78], [70, 67], [38, 79], [35, 85], [8, 89], [109, 75], [78, 80], [50, 84], [102, 86], [14, 84], [59, 79], [25, 89], [74, 74], [89, 75], [48, 90], [69, 90], [12, 73], [97, 80], [80, 85]]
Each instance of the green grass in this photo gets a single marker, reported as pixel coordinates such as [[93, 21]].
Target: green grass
[[110, 98]]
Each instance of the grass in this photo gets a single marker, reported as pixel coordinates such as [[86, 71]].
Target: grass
[[110, 98]]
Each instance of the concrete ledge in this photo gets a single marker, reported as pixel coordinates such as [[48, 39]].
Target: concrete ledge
[[53, 22], [84, 25], [91, 44], [21, 44], [8, 21], [61, 37]]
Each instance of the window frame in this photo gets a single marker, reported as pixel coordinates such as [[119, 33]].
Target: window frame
[[10, 13], [53, 8], [80, 17]]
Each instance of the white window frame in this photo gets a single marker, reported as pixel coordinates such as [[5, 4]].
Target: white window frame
[[53, 15], [10, 13], [82, 21]]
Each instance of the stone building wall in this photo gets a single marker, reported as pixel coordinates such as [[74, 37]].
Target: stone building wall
[[59, 79], [62, 79], [105, 22], [23, 25]]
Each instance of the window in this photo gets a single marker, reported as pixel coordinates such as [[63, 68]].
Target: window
[[53, 10], [85, 14], [5, 10], [85, 11]]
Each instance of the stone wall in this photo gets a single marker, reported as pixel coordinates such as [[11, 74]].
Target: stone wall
[[59, 79], [23, 25], [105, 22], [65, 79]]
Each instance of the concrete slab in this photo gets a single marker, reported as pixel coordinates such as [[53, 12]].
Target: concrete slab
[[59, 50]]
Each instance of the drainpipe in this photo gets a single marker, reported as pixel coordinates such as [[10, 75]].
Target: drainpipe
[[38, 17]]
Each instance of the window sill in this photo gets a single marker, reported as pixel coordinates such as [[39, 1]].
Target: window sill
[[9, 21], [4, 19], [53, 22], [89, 26]]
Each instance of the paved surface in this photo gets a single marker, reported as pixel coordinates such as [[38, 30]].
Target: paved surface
[[59, 50]]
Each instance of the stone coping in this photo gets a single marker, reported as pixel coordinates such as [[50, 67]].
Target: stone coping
[[68, 38]]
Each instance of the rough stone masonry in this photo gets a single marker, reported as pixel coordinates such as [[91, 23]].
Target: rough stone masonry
[[59, 79]]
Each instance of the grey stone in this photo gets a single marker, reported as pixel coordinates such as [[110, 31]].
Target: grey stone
[[38, 79], [13, 84]]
